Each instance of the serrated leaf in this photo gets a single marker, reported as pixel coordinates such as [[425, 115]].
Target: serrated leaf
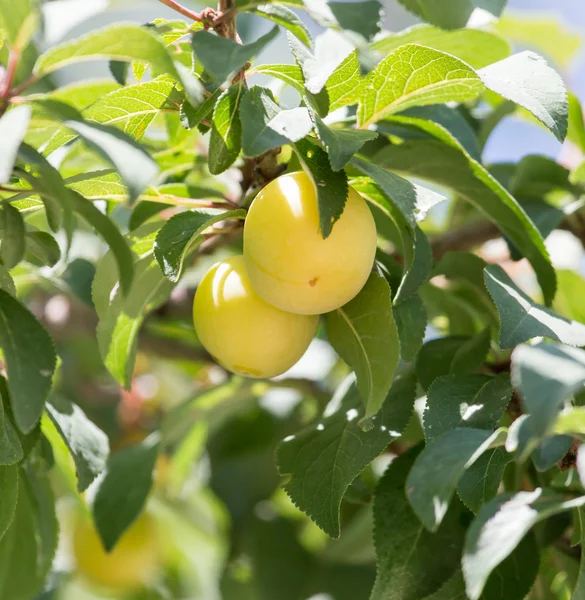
[[8, 498], [87, 444], [500, 526], [343, 449], [182, 233], [331, 50], [345, 83], [475, 47], [521, 319], [465, 401], [6, 281], [453, 354], [411, 322], [111, 234], [411, 561], [527, 80], [436, 472], [131, 160], [290, 74], [419, 269], [13, 128], [265, 125], [454, 168], [30, 361], [331, 186], [454, 15], [481, 482], [364, 334], [42, 249], [12, 234], [221, 56], [226, 132], [286, 18], [123, 491], [412, 200], [546, 375], [131, 109], [28, 546], [415, 76], [192, 117], [341, 144], [117, 42]]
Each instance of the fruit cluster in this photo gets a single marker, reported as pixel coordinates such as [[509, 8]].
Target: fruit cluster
[[256, 314]]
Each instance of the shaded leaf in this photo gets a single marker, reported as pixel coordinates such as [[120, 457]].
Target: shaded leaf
[[226, 131], [12, 234], [521, 319], [363, 333], [123, 491], [87, 444], [323, 459], [411, 322], [455, 14], [8, 498]]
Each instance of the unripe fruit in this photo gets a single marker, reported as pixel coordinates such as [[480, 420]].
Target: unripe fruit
[[289, 263], [242, 332], [134, 560]]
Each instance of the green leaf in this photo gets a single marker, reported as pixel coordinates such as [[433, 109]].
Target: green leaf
[[363, 333], [341, 144], [411, 561], [286, 18], [118, 328], [433, 478], [87, 444], [12, 235], [454, 354], [491, 538], [455, 169], [481, 482], [344, 85], [527, 80], [415, 76], [419, 269], [42, 249], [579, 590], [546, 375], [456, 14], [362, 17], [8, 498], [117, 42], [182, 233], [331, 186], [412, 200], [6, 281], [28, 546], [221, 56], [13, 128], [111, 234], [290, 74], [265, 125], [475, 47], [131, 109], [191, 117], [324, 458], [30, 361], [465, 401], [411, 322], [521, 319], [123, 491], [226, 131], [576, 129], [134, 164], [10, 446]]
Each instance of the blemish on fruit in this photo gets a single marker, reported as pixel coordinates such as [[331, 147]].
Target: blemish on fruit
[[313, 281]]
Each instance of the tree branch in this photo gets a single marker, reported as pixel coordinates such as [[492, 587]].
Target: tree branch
[[183, 10]]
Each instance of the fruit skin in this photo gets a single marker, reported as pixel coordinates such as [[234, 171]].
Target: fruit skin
[[241, 331], [289, 263], [133, 561]]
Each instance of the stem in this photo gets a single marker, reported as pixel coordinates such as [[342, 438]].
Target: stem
[[8, 79], [16, 91], [182, 10], [228, 19]]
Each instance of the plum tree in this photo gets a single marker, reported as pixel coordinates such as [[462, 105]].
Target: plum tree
[[134, 560], [242, 331], [289, 263]]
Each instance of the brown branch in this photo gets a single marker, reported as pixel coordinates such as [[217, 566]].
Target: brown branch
[[225, 24], [465, 238], [183, 10]]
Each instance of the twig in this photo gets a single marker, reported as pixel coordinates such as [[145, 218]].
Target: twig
[[183, 10], [8, 79]]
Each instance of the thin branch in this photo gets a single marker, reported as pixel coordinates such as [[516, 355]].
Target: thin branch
[[183, 10], [8, 79]]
